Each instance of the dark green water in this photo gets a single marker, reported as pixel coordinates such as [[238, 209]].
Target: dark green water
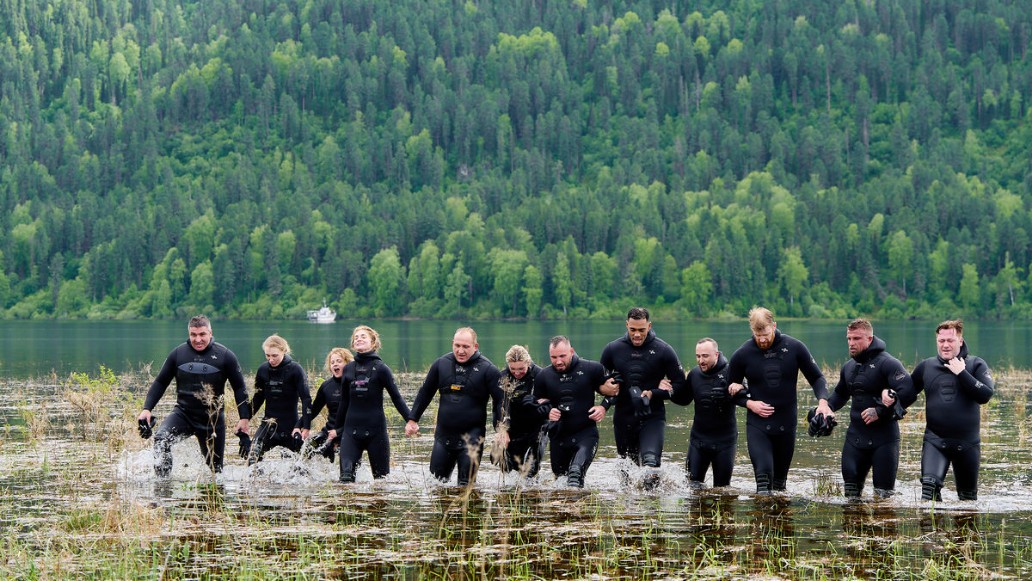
[[35, 348]]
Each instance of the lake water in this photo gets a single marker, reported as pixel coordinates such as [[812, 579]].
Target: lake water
[[79, 499], [37, 348]]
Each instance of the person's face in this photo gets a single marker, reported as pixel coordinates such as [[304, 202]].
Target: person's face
[[706, 355], [362, 341], [561, 355], [463, 346], [948, 343], [638, 330], [518, 368], [336, 365], [274, 356], [858, 340], [200, 337], [764, 336]]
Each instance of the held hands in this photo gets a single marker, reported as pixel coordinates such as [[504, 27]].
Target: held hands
[[824, 408], [501, 438], [411, 428], [955, 365], [734, 388], [243, 425]]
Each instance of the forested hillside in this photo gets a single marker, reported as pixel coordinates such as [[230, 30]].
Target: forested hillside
[[515, 158]]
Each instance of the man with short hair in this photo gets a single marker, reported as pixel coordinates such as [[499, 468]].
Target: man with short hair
[[466, 380], [714, 435], [569, 386], [201, 368], [872, 379], [956, 384], [641, 360], [771, 363]]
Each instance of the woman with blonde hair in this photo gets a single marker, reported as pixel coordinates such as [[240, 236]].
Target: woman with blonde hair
[[328, 396], [280, 385], [361, 423]]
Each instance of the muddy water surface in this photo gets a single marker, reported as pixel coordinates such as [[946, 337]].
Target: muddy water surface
[[78, 497]]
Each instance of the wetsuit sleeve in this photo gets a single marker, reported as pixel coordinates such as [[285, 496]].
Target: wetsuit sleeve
[[813, 374], [161, 382], [236, 381], [320, 401], [684, 394], [916, 386], [499, 407], [259, 392], [305, 394], [395, 393], [345, 401], [840, 395], [674, 372], [976, 381], [736, 368], [425, 394]]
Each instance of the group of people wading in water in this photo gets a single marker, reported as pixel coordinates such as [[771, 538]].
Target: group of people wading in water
[[562, 404]]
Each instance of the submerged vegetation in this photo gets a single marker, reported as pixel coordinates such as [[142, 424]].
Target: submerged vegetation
[[73, 509]]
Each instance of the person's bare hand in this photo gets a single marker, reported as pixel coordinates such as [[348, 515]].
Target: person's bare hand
[[955, 365], [760, 408], [869, 415], [597, 413], [734, 388]]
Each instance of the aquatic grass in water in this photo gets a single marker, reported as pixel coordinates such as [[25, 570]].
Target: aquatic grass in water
[[75, 507]]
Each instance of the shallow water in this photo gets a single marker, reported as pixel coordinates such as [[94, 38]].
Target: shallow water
[[75, 506]]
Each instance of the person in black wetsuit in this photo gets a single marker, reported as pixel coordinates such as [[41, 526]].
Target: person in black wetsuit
[[280, 384], [642, 360], [955, 385], [872, 379], [714, 435], [771, 363], [569, 386], [361, 423], [522, 416], [466, 380], [201, 368], [328, 396]]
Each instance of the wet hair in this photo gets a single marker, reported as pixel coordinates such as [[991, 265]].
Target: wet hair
[[760, 318], [276, 342], [199, 321], [558, 340], [638, 313], [344, 354], [517, 353], [708, 340], [373, 336], [860, 324], [956, 324], [469, 330]]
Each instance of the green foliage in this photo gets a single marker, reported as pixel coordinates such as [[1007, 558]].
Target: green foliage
[[515, 162]]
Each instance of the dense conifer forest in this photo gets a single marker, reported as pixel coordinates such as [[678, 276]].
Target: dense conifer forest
[[530, 158]]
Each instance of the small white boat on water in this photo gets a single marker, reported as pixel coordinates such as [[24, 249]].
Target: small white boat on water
[[323, 315]]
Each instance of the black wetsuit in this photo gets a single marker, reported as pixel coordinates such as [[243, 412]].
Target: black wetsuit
[[461, 414], [638, 427], [574, 438], [201, 378], [328, 396], [524, 418], [952, 434], [875, 445], [714, 435], [360, 417], [280, 389], [772, 375]]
